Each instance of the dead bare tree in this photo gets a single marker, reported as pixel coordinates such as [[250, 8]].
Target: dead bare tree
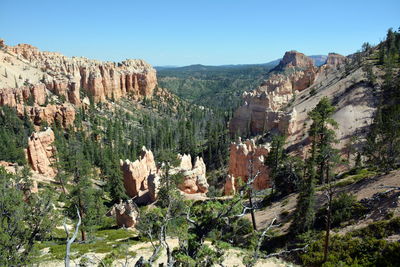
[[72, 239], [249, 184], [256, 255]]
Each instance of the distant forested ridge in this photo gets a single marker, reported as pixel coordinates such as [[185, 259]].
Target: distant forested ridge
[[217, 86]]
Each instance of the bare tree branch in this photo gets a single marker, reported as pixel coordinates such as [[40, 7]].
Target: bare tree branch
[[285, 252], [72, 239]]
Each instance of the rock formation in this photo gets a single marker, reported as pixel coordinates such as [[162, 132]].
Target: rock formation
[[296, 60], [246, 159], [136, 173], [36, 94], [264, 108], [126, 213], [64, 76], [194, 177], [41, 152], [282, 104], [63, 114], [142, 178], [35, 76], [335, 60], [262, 111], [229, 187]]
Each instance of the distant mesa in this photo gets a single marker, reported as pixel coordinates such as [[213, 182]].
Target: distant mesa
[[335, 59], [294, 59]]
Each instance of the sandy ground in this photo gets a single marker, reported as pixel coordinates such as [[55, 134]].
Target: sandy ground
[[15, 70], [233, 257], [353, 100]]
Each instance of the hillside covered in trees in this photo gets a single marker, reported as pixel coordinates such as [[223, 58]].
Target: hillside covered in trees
[[107, 164]]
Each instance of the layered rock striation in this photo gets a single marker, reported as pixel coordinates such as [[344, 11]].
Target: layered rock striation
[[268, 107], [263, 108], [64, 76], [31, 77], [296, 60], [335, 60]]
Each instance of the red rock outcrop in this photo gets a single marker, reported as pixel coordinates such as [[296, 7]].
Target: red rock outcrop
[[64, 76], [41, 152], [126, 213], [63, 114], [136, 173], [142, 178], [48, 73], [247, 159], [13, 96]]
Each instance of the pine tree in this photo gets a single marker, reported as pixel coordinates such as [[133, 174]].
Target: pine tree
[[114, 178], [383, 141], [84, 196], [305, 210], [22, 222], [319, 164], [275, 158], [322, 135]]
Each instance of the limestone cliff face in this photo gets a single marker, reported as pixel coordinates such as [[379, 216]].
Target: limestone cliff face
[[142, 178], [262, 110], [246, 159], [63, 115], [41, 152], [32, 76], [64, 76], [273, 107], [30, 93]]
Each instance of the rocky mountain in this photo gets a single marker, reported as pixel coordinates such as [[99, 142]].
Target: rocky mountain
[[282, 102]]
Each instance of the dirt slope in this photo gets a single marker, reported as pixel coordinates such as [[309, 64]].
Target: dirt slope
[[363, 189]]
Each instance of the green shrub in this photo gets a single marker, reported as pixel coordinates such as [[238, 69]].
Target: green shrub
[[348, 251], [344, 208], [380, 229], [363, 247], [355, 176]]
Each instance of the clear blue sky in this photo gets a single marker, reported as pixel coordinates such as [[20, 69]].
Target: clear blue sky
[[213, 32]]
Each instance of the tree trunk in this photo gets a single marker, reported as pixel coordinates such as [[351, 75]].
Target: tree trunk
[[329, 212], [71, 240], [83, 235], [253, 217], [328, 229]]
